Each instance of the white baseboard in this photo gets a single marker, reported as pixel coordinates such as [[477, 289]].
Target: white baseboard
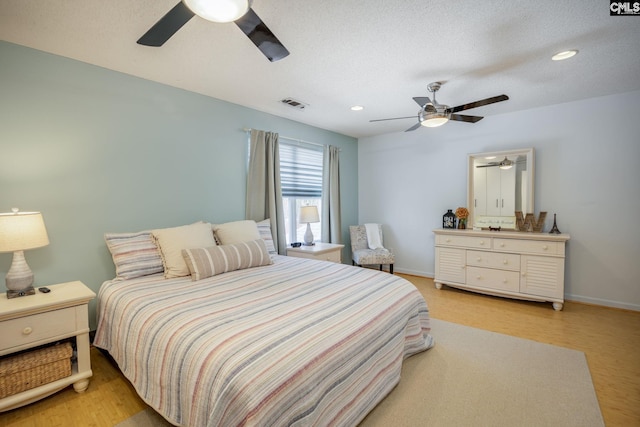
[[603, 302], [413, 272]]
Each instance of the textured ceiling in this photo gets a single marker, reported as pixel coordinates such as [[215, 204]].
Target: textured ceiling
[[378, 53]]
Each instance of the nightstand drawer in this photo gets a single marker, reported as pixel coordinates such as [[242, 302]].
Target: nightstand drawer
[[43, 326]]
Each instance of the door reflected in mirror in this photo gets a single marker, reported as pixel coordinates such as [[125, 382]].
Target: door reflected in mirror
[[500, 183]]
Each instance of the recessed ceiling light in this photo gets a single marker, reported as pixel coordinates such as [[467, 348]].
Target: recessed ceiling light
[[357, 108], [564, 55]]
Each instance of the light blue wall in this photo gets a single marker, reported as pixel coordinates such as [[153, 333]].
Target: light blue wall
[[100, 151], [587, 156]]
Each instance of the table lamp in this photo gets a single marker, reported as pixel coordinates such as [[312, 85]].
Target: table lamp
[[309, 214], [20, 231]]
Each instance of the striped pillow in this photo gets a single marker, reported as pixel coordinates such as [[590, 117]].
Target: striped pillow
[[207, 262], [264, 228], [134, 254]]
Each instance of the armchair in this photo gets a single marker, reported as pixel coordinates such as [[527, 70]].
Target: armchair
[[362, 252]]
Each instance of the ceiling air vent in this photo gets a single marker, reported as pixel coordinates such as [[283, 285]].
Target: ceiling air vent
[[293, 103]]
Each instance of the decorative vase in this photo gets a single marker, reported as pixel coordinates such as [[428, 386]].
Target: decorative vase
[[449, 219], [462, 223]]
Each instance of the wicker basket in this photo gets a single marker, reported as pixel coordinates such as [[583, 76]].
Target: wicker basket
[[34, 368]]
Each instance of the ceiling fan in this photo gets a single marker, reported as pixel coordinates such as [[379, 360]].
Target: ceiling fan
[[504, 164], [238, 11], [432, 114]]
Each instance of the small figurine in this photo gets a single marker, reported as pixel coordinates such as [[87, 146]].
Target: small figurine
[[554, 229]]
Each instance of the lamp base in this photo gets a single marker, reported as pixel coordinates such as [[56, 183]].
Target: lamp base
[[308, 236], [21, 293]]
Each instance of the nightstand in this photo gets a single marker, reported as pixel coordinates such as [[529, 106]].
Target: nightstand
[[44, 318], [320, 251]]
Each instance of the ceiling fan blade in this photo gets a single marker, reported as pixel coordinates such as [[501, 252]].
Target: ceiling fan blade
[[480, 103], [465, 118], [167, 26], [261, 36], [395, 118], [414, 127], [422, 100], [488, 166]]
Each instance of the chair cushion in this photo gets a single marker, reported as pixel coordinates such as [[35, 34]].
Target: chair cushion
[[373, 256]]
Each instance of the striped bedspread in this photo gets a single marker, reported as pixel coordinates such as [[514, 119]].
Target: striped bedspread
[[299, 342]]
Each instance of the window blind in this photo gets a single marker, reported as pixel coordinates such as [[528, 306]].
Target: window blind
[[300, 170]]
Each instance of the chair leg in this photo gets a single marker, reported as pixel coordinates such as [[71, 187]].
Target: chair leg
[[353, 262], [391, 268], [380, 267]]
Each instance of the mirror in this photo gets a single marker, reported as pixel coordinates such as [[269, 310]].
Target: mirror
[[500, 183]]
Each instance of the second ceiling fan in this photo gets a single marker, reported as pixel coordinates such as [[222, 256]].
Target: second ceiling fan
[[238, 11], [432, 114]]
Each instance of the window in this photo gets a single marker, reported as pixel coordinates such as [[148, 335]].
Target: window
[[301, 180]]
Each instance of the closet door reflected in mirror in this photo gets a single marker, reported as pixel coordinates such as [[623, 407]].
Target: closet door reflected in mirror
[[500, 183]]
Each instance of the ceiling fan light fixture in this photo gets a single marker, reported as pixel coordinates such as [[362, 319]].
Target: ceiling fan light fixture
[[564, 55], [219, 10], [506, 164], [432, 119], [434, 122]]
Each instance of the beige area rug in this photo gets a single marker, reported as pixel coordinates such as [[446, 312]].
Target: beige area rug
[[474, 377]]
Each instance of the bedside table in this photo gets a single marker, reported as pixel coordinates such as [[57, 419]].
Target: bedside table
[[320, 251], [34, 320]]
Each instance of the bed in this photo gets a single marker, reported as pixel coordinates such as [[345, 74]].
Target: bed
[[294, 342]]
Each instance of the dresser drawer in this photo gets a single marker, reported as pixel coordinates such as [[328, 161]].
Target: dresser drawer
[[463, 241], [539, 247], [499, 260], [37, 327], [490, 278]]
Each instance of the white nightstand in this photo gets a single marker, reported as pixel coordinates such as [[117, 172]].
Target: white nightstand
[[320, 251], [43, 318]]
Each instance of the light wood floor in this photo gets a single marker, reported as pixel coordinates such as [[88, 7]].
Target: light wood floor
[[610, 338]]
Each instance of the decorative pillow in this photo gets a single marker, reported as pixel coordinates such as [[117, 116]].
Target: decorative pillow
[[134, 254], [264, 228], [236, 232], [207, 262], [171, 242]]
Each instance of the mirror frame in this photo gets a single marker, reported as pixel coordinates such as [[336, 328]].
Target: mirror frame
[[530, 161]]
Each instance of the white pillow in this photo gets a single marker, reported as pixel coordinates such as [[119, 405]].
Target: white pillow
[[171, 242], [236, 232]]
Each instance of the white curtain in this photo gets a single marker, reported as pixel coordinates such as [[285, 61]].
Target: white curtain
[[264, 193], [331, 225]]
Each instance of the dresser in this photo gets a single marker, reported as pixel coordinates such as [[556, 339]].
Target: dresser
[[44, 318], [512, 264], [320, 251]]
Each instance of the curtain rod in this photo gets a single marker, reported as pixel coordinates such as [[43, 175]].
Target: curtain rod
[[291, 139]]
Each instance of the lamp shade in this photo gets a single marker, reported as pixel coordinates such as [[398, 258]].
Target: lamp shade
[[309, 214], [219, 10], [21, 231]]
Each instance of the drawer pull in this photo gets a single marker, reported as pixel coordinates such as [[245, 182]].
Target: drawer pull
[[481, 242], [478, 259], [478, 277], [545, 247], [502, 245], [448, 240], [505, 281], [505, 262], [27, 330]]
